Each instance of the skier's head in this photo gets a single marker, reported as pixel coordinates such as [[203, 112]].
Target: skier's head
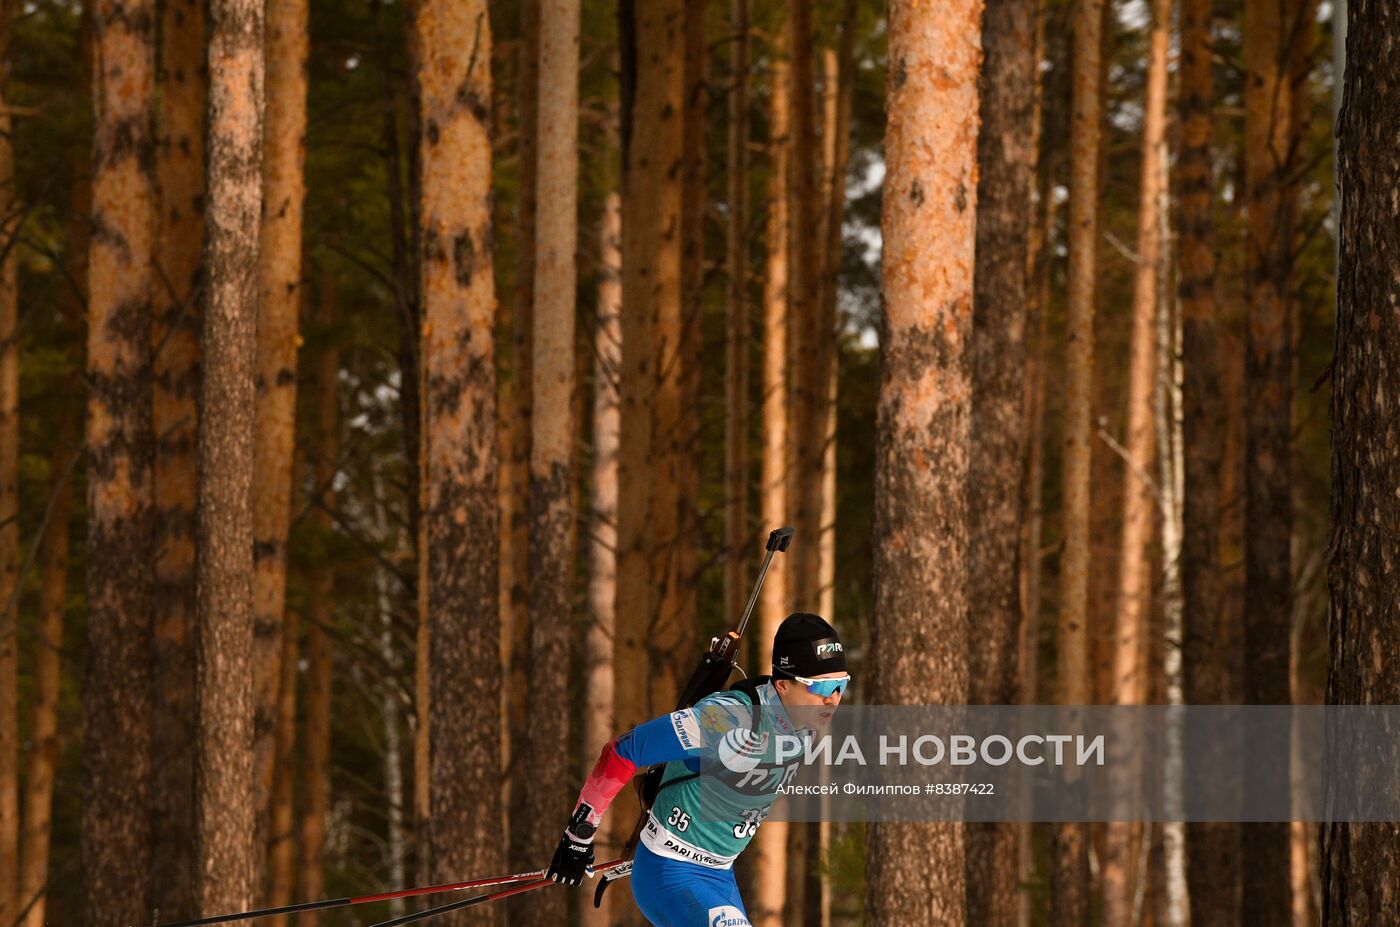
[[809, 663]]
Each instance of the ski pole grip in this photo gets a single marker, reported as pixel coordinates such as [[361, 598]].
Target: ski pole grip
[[779, 539]]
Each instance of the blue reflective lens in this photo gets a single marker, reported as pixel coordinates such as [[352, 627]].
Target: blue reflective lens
[[827, 687]]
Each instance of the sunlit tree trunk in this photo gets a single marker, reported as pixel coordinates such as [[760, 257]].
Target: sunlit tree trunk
[[1129, 668], [177, 299], [514, 473], [1070, 877], [225, 819], [9, 507], [459, 543], [915, 872], [1360, 865], [736, 354], [552, 517], [998, 364], [321, 611], [769, 848], [1212, 849], [284, 190], [598, 726], [117, 690]]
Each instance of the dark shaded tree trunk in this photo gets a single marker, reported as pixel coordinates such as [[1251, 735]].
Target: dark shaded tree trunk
[[1361, 862], [177, 302], [9, 504], [552, 537], [995, 478], [459, 543], [224, 770], [915, 872], [1212, 848], [116, 846], [736, 364]]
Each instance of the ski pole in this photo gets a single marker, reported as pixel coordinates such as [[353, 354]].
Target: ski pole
[[600, 869], [359, 899]]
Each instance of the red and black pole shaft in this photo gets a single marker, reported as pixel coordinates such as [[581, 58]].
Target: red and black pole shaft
[[483, 899], [359, 899]]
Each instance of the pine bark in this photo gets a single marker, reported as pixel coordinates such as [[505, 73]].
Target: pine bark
[[808, 345], [117, 694], [321, 614], [1269, 161], [178, 298], [224, 763], [281, 829], [515, 457], [651, 277], [284, 190], [1070, 877], [1212, 849], [459, 543], [996, 475], [736, 356], [598, 727], [915, 872], [770, 843], [1360, 862], [552, 537], [9, 509]]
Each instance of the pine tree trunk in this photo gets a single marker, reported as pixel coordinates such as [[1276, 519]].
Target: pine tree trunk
[[769, 849], [552, 516], [1212, 849], [598, 727], [998, 432], [918, 654], [42, 761], [1129, 668], [459, 543], [116, 829], [284, 190], [1070, 877], [9, 509], [807, 344], [651, 269], [321, 612], [1360, 866], [1269, 160], [178, 298], [515, 456], [281, 837], [736, 354], [224, 764]]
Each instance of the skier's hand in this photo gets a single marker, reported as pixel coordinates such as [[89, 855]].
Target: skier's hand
[[575, 852]]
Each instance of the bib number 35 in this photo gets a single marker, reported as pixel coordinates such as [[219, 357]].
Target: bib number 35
[[678, 819]]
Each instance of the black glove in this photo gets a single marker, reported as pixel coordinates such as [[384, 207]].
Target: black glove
[[575, 852]]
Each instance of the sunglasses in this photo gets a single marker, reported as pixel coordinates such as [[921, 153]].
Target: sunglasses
[[825, 687]]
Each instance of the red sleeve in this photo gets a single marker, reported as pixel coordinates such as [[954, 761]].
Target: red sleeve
[[609, 775]]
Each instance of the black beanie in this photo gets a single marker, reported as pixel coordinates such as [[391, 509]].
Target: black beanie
[[806, 645]]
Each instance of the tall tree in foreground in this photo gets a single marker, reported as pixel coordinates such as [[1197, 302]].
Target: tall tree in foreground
[[552, 516], [458, 540], [280, 272], [117, 687], [1360, 862], [316, 741], [177, 296], [915, 872], [770, 843], [1270, 159], [1071, 873], [225, 818], [998, 358], [1212, 849], [9, 505]]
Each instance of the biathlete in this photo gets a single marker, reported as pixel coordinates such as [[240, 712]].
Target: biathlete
[[683, 870]]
